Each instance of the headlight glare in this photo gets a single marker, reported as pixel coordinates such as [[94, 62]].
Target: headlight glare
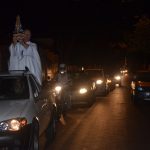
[[58, 89], [109, 81], [117, 78], [99, 82], [13, 124], [82, 90]]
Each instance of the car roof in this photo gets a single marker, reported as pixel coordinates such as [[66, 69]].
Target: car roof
[[15, 73]]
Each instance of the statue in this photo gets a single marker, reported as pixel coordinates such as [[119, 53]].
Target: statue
[[18, 26]]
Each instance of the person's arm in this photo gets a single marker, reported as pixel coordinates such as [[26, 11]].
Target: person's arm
[[14, 39], [21, 41], [12, 46]]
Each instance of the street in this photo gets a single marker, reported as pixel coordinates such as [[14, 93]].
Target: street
[[112, 123]]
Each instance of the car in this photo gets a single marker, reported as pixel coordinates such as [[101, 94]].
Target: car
[[82, 90], [117, 80], [140, 86], [101, 84], [26, 111], [110, 83]]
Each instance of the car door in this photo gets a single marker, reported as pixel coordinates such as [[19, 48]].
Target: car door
[[42, 105]]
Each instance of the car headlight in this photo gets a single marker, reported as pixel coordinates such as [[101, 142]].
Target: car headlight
[[58, 89], [83, 91], [13, 124], [117, 78], [99, 82], [109, 81]]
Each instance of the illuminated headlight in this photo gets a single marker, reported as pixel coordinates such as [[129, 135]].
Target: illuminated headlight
[[109, 81], [13, 124], [117, 85], [99, 82], [117, 78], [83, 91], [62, 72], [58, 89]]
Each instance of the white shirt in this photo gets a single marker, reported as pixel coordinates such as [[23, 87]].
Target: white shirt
[[21, 57]]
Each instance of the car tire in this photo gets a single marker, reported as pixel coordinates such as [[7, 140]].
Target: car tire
[[91, 100], [34, 141]]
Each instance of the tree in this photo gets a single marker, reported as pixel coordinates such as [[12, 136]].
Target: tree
[[138, 42], [140, 39]]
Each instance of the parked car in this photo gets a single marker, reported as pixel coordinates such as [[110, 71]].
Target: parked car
[[82, 89], [26, 111], [140, 86], [98, 76]]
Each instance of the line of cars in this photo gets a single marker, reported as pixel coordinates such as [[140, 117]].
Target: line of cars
[[28, 110], [85, 86]]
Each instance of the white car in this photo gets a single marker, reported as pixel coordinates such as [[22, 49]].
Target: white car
[[26, 111]]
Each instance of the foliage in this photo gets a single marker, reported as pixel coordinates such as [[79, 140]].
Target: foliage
[[139, 40]]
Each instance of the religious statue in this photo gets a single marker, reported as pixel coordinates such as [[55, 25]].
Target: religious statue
[[18, 26]]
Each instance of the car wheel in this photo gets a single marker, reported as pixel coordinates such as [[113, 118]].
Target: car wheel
[[91, 100], [34, 142]]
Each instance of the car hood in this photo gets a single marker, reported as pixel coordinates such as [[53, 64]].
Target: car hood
[[11, 109]]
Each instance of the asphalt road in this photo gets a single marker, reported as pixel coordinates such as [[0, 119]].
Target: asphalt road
[[112, 123]]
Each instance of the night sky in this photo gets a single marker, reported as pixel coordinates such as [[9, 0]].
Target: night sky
[[79, 27], [46, 18]]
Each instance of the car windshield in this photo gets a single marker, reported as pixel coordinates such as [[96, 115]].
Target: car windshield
[[143, 76], [13, 88], [79, 76]]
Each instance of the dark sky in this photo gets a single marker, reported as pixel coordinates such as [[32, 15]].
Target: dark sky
[[55, 16], [81, 26]]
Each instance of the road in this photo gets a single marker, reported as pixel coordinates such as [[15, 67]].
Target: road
[[112, 123]]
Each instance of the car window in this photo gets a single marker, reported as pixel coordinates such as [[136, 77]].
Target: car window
[[80, 76], [13, 88]]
